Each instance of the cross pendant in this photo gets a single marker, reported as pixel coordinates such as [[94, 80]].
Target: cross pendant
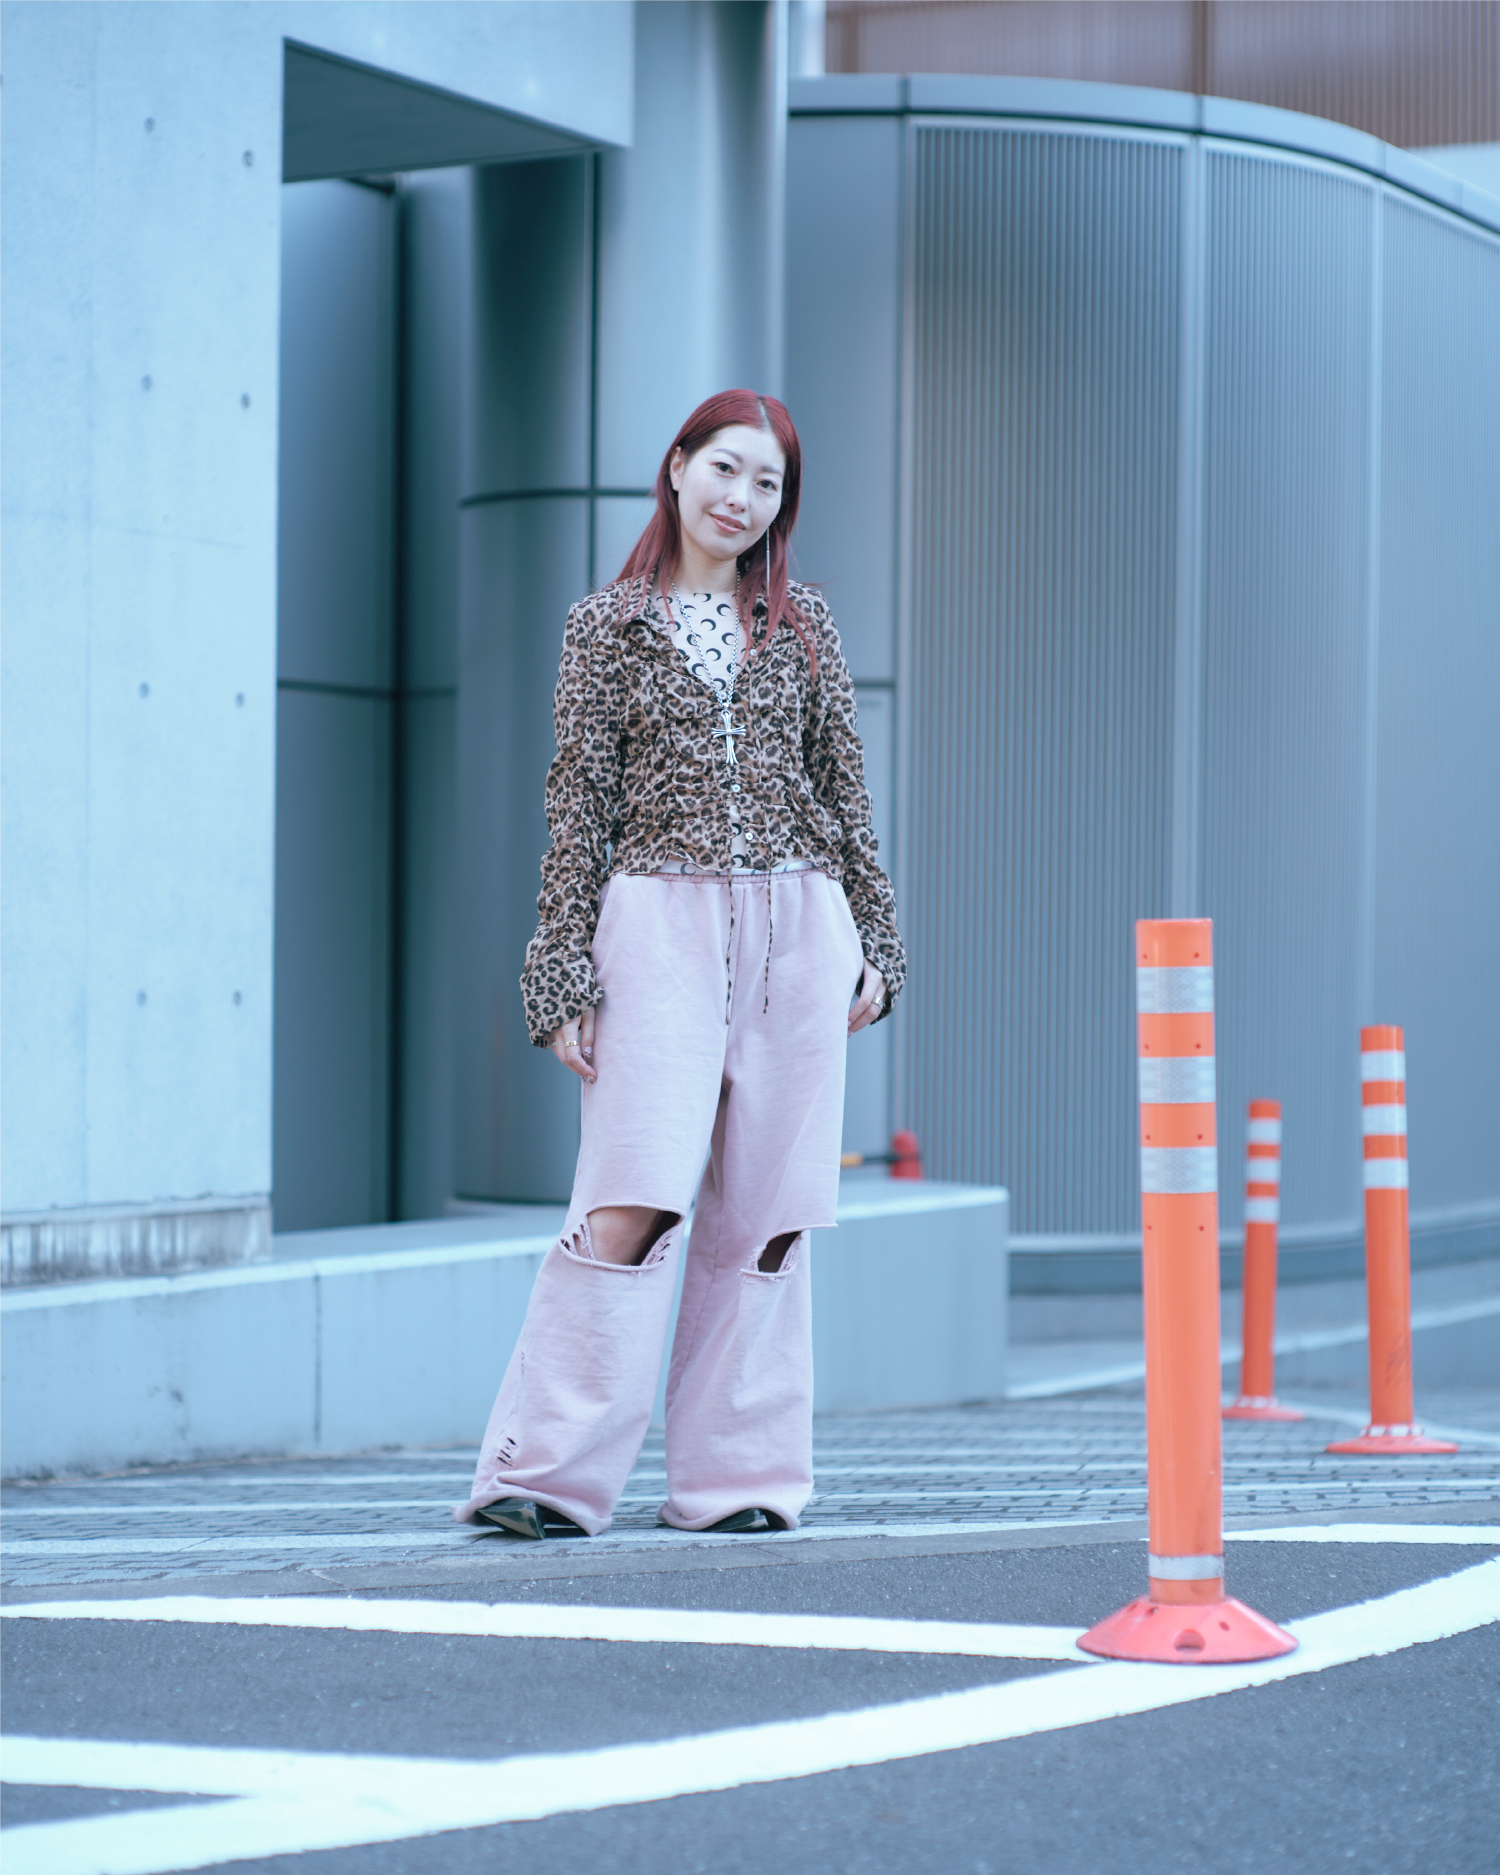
[[729, 733]]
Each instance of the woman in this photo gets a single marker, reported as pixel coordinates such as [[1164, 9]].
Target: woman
[[713, 926]]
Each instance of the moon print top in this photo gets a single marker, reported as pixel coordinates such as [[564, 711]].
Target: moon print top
[[708, 632]]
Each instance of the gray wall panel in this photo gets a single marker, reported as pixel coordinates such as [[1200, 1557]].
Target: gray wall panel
[[1287, 468], [335, 616], [437, 326], [867, 1089], [1435, 844], [1043, 399], [437, 338], [525, 562], [331, 1125], [426, 961], [691, 228], [618, 522], [532, 285], [844, 304]]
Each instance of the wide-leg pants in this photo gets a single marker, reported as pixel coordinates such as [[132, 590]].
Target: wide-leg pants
[[722, 1033]]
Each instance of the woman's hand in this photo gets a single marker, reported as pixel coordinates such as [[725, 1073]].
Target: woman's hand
[[870, 1001], [573, 1044]]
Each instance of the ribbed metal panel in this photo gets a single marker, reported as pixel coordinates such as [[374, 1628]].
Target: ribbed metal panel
[[1043, 410], [1435, 910], [1288, 438]]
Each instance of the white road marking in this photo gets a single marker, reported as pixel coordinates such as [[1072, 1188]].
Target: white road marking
[[216, 1546], [463, 1537], [1007, 1641], [289, 1803], [1370, 1534], [208, 1507]]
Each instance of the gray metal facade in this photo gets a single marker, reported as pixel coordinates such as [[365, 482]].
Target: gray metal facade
[[335, 707], [1187, 443], [562, 321]]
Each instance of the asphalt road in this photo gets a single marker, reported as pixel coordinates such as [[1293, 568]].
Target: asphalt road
[[302, 1665], [1383, 1764]]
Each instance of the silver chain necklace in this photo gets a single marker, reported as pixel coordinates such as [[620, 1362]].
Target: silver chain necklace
[[724, 691]]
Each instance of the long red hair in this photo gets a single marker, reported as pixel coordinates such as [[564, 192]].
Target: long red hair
[[661, 540]]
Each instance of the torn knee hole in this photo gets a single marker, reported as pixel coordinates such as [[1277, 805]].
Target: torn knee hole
[[624, 1235], [772, 1258]]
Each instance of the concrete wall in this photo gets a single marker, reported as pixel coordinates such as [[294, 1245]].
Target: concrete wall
[[142, 178]]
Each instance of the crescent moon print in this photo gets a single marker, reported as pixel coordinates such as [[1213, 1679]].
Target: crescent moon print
[[699, 618]]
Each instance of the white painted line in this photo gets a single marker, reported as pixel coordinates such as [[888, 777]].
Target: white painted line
[[212, 1508], [245, 1476], [1008, 1641], [293, 1803], [1371, 1534], [469, 1536], [20, 1549], [1079, 1381], [219, 1546]]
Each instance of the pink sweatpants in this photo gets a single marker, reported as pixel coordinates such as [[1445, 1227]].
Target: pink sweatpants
[[702, 1048]]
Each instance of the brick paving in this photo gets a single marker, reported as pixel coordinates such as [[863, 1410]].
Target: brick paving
[[1072, 1459]]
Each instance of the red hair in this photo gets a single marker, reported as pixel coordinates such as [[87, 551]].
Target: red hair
[[661, 541]]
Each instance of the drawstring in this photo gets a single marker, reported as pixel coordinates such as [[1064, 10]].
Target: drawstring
[[729, 982], [766, 998], [729, 946]]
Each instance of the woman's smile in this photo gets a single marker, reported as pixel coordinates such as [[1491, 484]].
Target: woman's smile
[[729, 493]]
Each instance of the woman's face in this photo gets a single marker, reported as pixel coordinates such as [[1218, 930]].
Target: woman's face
[[729, 492]]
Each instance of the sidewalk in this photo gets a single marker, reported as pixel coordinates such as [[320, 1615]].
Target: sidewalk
[[937, 1473]]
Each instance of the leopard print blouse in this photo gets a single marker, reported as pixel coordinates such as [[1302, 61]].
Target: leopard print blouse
[[640, 779]]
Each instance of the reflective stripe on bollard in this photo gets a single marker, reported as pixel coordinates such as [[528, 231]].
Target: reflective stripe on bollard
[[1258, 1275], [1186, 1616], [1383, 1129]]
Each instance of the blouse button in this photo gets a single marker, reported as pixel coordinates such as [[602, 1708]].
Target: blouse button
[[734, 788]]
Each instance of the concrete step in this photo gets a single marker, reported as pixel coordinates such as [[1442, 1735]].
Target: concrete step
[[398, 1335]]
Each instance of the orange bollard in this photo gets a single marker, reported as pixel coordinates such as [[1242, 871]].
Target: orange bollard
[[906, 1161], [1383, 1126], [1185, 1615], [1258, 1280]]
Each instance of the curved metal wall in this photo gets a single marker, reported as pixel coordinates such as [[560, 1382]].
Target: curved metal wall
[[1198, 617], [1288, 434], [1434, 819], [1038, 677]]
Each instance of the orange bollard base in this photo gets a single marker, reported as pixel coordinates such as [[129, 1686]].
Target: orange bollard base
[[1259, 1407], [1377, 1439], [1188, 1634]]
